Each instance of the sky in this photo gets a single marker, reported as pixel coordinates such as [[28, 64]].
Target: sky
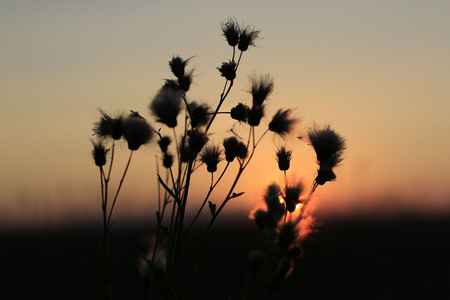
[[377, 72]]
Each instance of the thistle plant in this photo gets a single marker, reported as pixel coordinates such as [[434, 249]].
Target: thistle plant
[[288, 212], [185, 148], [136, 132]]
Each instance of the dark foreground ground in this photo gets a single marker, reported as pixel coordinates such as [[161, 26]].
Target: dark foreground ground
[[396, 259]]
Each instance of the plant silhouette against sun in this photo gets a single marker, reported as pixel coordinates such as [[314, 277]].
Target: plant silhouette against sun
[[185, 147]]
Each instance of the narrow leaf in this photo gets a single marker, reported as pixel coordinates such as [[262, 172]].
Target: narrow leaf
[[168, 190], [212, 208], [234, 195]]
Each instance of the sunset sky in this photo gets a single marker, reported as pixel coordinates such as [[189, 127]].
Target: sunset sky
[[376, 71]]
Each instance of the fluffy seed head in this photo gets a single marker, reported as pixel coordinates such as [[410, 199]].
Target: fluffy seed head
[[240, 112], [164, 143], [260, 88], [177, 65], [170, 84], [211, 157], [247, 38], [197, 139], [292, 196], [200, 114], [108, 127], [184, 151], [166, 106], [255, 115], [234, 148], [264, 219], [184, 82], [282, 123], [324, 174], [167, 160], [328, 145], [230, 30], [284, 158], [272, 198], [228, 70], [99, 153], [137, 132]]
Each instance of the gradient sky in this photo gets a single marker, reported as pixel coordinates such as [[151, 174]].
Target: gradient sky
[[376, 71]]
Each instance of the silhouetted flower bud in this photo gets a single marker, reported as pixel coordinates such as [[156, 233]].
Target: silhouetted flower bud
[[137, 132], [234, 148], [211, 157], [184, 152], [240, 112], [177, 65], [170, 84], [117, 128], [272, 198], [263, 219], [261, 88], [166, 106], [108, 127], [324, 174], [292, 196], [247, 38], [231, 31], [284, 158], [164, 143], [255, 115], [242, 151], [328, 145], [228, 70], [167, 160], [281, 123], [184, 82], [197, 139], [200, 114], [99, 153]]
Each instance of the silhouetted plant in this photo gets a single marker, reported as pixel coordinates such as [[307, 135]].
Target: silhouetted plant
[[285, 205]]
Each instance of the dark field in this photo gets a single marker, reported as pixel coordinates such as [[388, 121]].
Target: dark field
[[405, 258]]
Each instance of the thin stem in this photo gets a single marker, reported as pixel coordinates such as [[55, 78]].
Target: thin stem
[[222, 99], [112, 159], [211, 188], [105, 235], [176, 145], [260, 138], [157, 181], [187, 106], [179, 224], [118, 190], [220, 112], [239, 60], [227, 198]]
